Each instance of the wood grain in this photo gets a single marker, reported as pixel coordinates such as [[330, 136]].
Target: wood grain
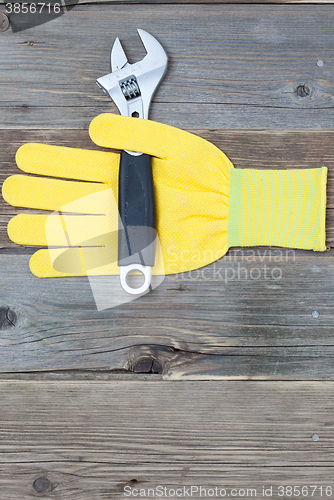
[[216, 323], [248, 81], [91, 480], [86, 440]]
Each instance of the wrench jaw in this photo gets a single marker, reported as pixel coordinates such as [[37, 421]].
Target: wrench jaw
[[131, 86], [118, 58]]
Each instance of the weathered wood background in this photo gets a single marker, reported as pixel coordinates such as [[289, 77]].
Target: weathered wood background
[[210, 380]]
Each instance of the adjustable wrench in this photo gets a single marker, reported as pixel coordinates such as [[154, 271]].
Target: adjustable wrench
[[131, 87]]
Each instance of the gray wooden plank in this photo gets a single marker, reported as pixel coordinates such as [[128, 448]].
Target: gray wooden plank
[[193, 326], [182, 115], [90, 480], [246, 149], [237, 69], [74, 433], [88, 441]]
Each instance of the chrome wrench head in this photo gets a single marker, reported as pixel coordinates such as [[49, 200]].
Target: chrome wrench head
[[131, 86]]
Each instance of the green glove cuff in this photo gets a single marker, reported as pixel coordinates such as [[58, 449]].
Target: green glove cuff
[[283, 208]]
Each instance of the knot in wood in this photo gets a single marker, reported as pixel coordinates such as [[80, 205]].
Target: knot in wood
[[7, 318], [146, 365], [41, 484], [303, 90], [4, 22]]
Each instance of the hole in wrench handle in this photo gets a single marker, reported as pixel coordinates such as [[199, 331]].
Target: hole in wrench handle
[[144, 270], [136, 205]]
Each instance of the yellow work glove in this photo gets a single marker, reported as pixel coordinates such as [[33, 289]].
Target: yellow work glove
[[204, 205]]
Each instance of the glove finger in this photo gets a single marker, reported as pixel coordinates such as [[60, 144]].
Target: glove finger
[[161, 141], [68, 163], [82, 261], [135, 134], [52, 194], [63, 230], [88, 261]]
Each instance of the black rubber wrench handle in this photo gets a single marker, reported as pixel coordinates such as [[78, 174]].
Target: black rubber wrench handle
[[136, 205]]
